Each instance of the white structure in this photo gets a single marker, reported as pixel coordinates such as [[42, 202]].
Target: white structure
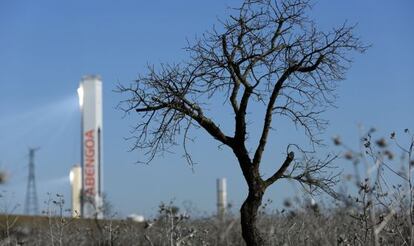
[[75, 177], [135, 218], [90, 100], [221, 197]]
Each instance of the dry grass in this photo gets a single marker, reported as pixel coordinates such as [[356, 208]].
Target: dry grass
[[299, 225]]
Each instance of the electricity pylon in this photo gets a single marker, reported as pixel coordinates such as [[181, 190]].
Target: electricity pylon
[[31, 204]]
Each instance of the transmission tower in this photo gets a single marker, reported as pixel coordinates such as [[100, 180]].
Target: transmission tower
[[31, 205]]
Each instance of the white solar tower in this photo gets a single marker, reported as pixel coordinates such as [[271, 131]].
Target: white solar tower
[[90, 100], [221, 197], [75, 177]]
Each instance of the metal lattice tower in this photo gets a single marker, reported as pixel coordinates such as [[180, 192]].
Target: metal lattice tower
[[31, 205]]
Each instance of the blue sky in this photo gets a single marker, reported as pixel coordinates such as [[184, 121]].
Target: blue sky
[[47, 46]]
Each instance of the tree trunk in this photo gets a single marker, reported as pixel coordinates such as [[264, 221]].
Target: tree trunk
[[248, 212]]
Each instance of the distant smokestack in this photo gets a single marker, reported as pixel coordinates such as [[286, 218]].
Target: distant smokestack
[[75, 177], [221, 197]]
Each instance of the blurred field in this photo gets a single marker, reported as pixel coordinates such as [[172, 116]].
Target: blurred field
[[44, 230], [296, 225]]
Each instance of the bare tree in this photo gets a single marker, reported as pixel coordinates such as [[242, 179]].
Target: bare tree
[[266, 54]]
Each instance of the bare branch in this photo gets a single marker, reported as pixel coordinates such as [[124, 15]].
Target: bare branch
[[267, 53], [279, 173]]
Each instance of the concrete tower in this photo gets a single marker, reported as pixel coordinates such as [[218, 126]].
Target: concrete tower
[[90, 100], [76, 183], [221, 197]]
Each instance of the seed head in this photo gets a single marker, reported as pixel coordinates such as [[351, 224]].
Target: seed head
[[381, 143], [337, 140]]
